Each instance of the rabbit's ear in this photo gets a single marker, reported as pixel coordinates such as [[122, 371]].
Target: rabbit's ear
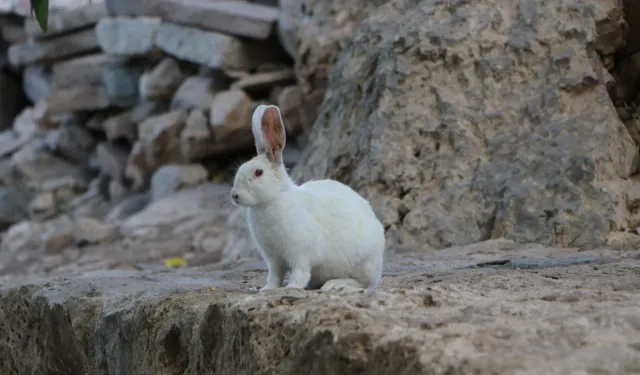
[[269, 132]]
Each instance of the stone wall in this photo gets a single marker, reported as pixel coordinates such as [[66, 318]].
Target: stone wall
[[130, 101]]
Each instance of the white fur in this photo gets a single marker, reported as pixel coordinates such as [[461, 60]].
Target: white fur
[[318, 231]]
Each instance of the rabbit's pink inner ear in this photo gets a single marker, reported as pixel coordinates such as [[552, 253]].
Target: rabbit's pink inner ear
[[272, 132]]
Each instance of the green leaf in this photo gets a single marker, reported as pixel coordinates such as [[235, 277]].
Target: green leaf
[[41, 9]]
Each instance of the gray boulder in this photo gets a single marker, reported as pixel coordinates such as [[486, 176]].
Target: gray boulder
[[470, 120]]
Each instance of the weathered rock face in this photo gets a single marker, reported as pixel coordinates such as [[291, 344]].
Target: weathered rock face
[[474, 120], [316, 31]]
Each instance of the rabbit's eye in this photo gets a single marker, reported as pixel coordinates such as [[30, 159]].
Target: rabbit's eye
[[258, 172]]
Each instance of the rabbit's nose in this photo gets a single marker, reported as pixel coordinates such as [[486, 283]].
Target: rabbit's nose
[[235, 197]]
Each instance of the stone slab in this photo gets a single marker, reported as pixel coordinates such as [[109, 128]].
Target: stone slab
[[83, 98], [127, 36], [237, 18], [64, 47], [191, 44], [264, 81], [86, 70]]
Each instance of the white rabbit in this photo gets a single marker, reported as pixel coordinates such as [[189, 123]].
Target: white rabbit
[[318, 231]]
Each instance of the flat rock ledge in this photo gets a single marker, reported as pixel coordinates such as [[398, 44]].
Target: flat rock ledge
[[490, 308]]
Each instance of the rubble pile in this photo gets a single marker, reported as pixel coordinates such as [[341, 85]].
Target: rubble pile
[[127, 103]]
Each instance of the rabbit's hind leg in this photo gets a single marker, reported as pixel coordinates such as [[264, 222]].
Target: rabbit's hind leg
[[299, 277]]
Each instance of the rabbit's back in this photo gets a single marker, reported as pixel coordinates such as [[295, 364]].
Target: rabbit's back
[[354, 237]]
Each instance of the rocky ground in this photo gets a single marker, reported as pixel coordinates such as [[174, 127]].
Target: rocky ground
[[490, 308]]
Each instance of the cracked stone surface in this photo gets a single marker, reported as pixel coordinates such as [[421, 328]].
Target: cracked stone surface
[[457, 311]]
